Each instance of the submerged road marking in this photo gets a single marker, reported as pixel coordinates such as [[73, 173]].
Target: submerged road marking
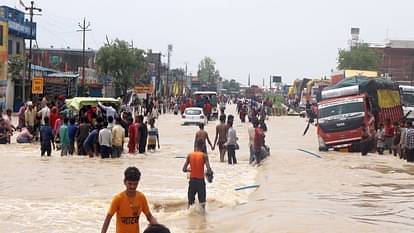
[[311, 153], [247, 187]]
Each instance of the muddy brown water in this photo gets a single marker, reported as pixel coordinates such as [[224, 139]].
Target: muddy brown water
[[339, 192]]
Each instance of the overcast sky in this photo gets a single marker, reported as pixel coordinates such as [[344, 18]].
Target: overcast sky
[[293, 39]]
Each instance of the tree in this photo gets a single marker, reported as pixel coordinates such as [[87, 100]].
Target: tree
[[122, 63], [207, 72], [361, 57], [16, 65], [231, 85]]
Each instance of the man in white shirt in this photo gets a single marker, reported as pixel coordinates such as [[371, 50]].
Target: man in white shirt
[[44, 112], [109, 110], [105, 141]]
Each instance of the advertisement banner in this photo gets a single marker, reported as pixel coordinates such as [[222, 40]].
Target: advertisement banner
[[149, 89]]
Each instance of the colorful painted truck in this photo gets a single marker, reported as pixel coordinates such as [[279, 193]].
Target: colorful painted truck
[[352, 104]]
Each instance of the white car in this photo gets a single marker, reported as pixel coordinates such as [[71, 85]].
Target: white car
[[193, 116]]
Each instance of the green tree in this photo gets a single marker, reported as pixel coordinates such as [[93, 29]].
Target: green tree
[[360, 57], [122, 63], [231, 85], [207, 72], [16, 65]]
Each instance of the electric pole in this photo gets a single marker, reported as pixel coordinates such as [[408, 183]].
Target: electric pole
[[30, 9], [170, 48], [84, 29], [270, 83], [248, 81]]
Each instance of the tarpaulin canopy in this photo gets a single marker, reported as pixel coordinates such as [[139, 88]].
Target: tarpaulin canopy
[[78, 102], [384, 94]]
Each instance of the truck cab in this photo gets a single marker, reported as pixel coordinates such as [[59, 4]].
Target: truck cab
[[407, 100], [341, 116]]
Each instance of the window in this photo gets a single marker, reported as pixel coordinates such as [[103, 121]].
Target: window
[[17, 47], [1, 35], [10, 47]]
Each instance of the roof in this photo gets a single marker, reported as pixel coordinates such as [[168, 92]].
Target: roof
[[88, 50], [205, 93], [194, 108], [402, 44], [43, 69], [78, 102], [62, 75]]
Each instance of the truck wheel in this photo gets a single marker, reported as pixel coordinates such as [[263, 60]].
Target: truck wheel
[[323, 148]]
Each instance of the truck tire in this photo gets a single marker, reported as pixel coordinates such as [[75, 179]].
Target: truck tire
[[323, 148]]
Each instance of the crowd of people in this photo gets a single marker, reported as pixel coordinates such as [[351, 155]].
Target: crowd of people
[[93, 130], [101, 131], [396, 138]]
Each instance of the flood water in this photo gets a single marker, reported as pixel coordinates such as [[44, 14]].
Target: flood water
[[299, 192]]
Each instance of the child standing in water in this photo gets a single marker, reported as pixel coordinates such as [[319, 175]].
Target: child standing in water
[[380, 139], [153, 136], [128, 205]]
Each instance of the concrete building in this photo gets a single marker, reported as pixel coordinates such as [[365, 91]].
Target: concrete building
[[14, 29], [68, 63], [64, 59], [398, 60]]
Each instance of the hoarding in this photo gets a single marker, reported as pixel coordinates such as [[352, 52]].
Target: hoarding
[[277, 79], [149, 89]]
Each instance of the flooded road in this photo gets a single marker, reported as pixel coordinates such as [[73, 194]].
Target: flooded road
[[339, 192], [298, 192]]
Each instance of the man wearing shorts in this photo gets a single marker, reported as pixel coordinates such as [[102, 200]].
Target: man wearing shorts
[[221, 137], [197, 160]]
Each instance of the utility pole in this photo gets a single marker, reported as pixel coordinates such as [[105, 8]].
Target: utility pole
[[248, 81], [412, 72], [30, 9], [270, 83], [184, 81], [84, 28], [170, 48]]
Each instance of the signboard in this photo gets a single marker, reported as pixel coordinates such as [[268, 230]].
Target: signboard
[[91, 77], [144, 89], [277, 79], [37, 85], [365, 73]]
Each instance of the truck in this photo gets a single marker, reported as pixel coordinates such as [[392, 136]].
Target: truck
[[407, 100], [352, 104]]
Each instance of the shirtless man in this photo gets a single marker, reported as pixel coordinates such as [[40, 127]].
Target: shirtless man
[[221, 137], [202, 135]]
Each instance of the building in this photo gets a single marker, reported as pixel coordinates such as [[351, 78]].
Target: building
[[14, 29], [397, 60], [68, 62], [64, 59]]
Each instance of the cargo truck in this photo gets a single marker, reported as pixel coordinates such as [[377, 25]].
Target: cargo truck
[[352, 104]]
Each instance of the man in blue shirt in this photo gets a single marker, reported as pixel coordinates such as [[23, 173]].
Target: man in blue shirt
[[46, 138], [72, 130]]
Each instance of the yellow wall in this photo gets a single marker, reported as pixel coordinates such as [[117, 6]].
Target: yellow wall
[[3, 51]]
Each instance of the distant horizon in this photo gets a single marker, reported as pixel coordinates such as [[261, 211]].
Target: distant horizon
[[294, 39]]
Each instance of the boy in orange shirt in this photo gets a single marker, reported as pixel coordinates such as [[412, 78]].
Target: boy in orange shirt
[[128, 205]]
